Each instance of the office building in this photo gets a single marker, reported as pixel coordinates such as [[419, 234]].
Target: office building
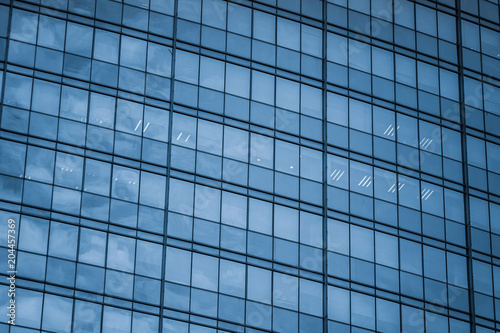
[[294, 166]]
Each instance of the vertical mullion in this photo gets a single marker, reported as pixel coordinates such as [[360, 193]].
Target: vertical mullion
[[169, 154], [325, 172], [463, 116]]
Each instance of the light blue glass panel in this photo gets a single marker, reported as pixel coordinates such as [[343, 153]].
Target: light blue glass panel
[[187, 67], [311, 297], [212, 73], [74, 103], [311, 229], [405, 70], [67, 201], [436, 323], [125, 183], [40, 164], [204, 302], [339, 304], [106, 46], [287, 157], [87, 317], [260, 216], [261, 150], [90, 278], [312, 41], [152, 190], [431, 197], [448, 82], [337, 50], [176, 296], [156, 123], [190, 10], [46, 97], [426, 20], [239, 19], [63, 240], [129, 117], [209, 137], [24, 26], [287, 94], [69, 170], [363, 310], [214, 13], [159, 59], [493, 157], [181, 196], [14, 155], [457, 270], [178, 266], [311, 101], [79, 39], [57, 313], [116, 320], [383, 63], [285, 321], [33, 234], [174, 326], [234, 210], [205, 272], [412, 319], [144, 323], [259, 284], [476, 154], [286, 223], [409, 190], [338, 236], [482, 277], [133, 53], [148, 259], [102, 110], [17, 88], [97, 177], [360, 116], [263, 87], [362, 243], [29, 265], [428, 77], [92, 246], [232, 278], [147, 290], [121, 253], [184, 130], [434, 263], [386, 251], [359, 55], [207, 203], [28, 308], [285, 291], [264, 26], [361, 178], [388, 316], [410, 256]]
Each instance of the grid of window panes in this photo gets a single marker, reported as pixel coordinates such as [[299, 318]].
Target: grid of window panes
[[202, 166]]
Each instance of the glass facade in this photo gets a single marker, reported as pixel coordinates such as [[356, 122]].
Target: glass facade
[[287, 166]]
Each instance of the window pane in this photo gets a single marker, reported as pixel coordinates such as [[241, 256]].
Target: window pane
[[178, 266], [205, 272], [235, 144]]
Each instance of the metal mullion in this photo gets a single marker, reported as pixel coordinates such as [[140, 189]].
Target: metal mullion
[[463, 116], [169, 168], [325, 172]]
